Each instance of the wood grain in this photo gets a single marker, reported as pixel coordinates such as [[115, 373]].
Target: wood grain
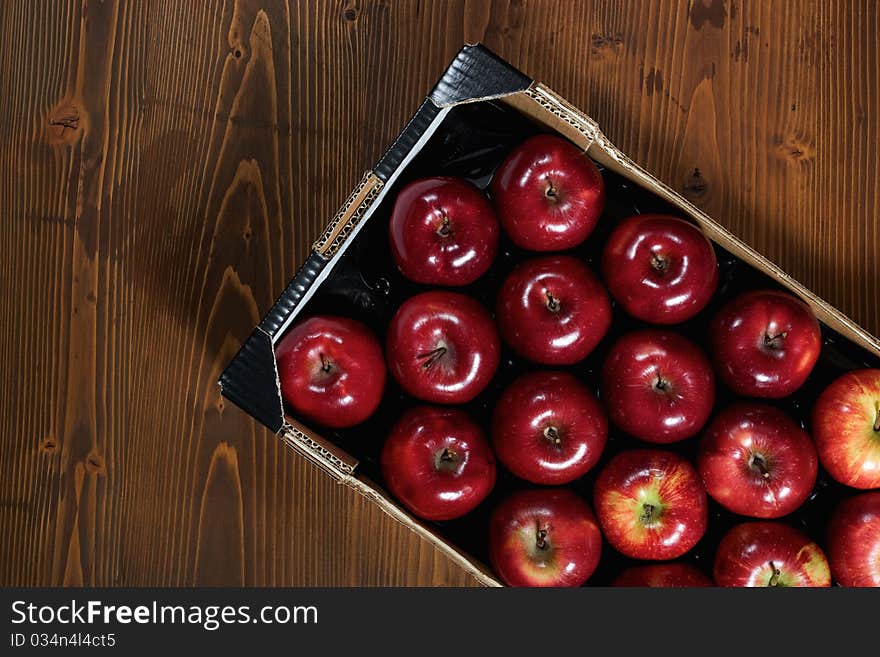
[[165, 167]]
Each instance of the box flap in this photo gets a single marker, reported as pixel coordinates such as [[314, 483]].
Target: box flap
[[477, 73], [250, 381]]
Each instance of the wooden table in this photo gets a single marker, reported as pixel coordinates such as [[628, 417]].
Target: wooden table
[[166, 165]]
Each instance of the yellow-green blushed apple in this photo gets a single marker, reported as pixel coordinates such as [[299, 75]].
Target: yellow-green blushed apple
[[846, 428], [651, 504], [771, 554]]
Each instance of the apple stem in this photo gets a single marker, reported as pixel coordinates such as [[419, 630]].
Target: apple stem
[[774, 578], [877, 421], [431, 357], [775, 341], [444, 230], [550, 192], [447, 455], [757, 461], [326, 367], [659, 261], [541, 539], [552, 302], [552, 434], [661, 384]]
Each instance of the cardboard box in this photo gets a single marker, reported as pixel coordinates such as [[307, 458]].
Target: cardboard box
[[479, 109]]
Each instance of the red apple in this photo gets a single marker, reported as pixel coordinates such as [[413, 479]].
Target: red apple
[[437, 462], [442, 347], [657, 386], [769, 554], [756, 461], [553, 310], [846, 427], [660, 269], [548, 194], [765, 343], [663, 575], [650, 504], [548, 428], [544, 537], [443, 232], [331, 370], [854, 541]]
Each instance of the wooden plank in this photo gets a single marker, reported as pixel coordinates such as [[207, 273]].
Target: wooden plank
[[165, 167]]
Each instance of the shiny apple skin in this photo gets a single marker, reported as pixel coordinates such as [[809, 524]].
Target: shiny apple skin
[[756, 461], [553, 310], [443, 231], [566, 554], [765, 343], [548, 428], [846, 428], [854, 541], [651, 504], [442, 347], [659, 269], [746, 552], [657, 386], [549, 194], [438, 463], [663, 575], [331, 370]]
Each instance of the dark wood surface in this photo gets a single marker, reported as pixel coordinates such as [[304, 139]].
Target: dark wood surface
[[166, 165]]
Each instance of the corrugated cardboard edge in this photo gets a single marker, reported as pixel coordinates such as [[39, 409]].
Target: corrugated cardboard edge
[[542, 104], [320, 451], [349, 215]]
